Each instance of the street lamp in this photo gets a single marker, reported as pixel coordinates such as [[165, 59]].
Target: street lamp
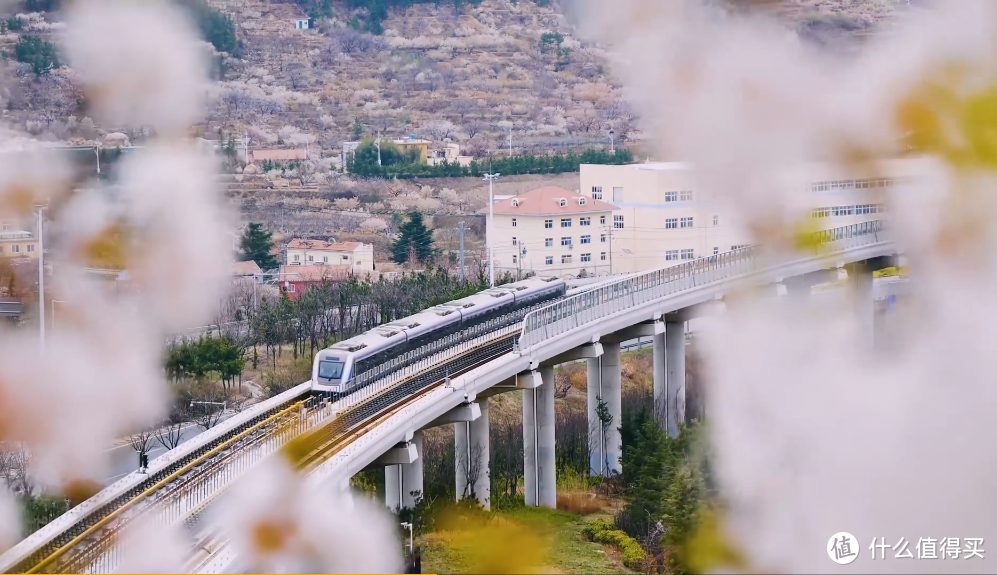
[[378, 148], [612, 141], [96, 150], [408, 525], [490, 178]]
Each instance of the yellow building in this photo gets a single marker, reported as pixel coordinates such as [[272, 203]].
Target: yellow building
[[14, 241], [413, 143], [662, 216], [553, 232]]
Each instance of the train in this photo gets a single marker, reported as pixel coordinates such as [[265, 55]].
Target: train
[[337, 367]]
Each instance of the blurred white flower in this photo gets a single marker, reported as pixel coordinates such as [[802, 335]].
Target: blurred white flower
[[141, 63]]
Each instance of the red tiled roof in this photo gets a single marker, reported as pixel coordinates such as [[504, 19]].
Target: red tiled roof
[[297, 244], [546, 201], [314, 273]]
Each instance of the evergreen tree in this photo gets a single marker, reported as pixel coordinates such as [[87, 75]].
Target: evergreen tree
[[414, 242], [256, 244]]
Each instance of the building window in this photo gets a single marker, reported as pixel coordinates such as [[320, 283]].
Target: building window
[[31, 248], [566, 259], [346, 258], [596, 192], [6, 227], [514, 242], [685, 196], [15, 248], [290, 288], [581, 201], [687, 254], [671, 255], [325, 259], [602, 238], [562, 202], [716, 220], [312, 258], [617, 194], [671, 223], [296, 257], [585, 221], [513, 222], [586, 239], [738, 247], [548, 224], [602, 256], [618, 222], [549, 242], [602, 220], [565, 222], [515, 204], [586, 257], [686, 222], [843, 210], [671, 196], [565, 241], [514, 258], [549, 260]]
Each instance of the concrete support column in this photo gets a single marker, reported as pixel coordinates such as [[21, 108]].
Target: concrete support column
[[393, 487], [481, 455], [546, 461], [412, 475], [675, 351], [530, 446], [612, 391], [660, 373], [861, 283], [594, 383]]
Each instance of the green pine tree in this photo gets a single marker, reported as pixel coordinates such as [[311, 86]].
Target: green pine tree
[[414, 241], [256, 245]]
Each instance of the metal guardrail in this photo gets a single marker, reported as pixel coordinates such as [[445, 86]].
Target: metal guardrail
[[587, 307]]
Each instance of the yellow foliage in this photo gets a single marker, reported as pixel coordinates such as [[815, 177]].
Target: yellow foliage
[[805, 236], [709, 548], [944, 116], [108, 249], [494, 545]]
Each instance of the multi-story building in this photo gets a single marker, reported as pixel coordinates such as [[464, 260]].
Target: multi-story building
[[14, 241], [552, 231], [662, 216], [358, 256]]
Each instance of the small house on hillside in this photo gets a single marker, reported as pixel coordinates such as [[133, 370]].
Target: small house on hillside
[[258, 156], [304, 23], [295, 280], [358, 256]]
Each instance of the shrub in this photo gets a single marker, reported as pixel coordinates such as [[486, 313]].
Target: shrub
[[602, 531], [43, 56]]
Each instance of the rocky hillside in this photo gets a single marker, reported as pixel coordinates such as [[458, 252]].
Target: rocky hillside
[[469, 73]]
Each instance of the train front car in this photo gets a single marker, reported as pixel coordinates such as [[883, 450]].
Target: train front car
[[331, 371]]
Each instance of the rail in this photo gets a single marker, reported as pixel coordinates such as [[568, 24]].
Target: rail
[[584, 308]]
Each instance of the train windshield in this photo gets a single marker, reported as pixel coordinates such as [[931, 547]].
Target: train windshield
[[330, 369]]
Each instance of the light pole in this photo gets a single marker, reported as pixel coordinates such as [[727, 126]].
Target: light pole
[[490, 178], [612, 141], [411, 545], [510, 141], [379, 149], [96, 150], [41, 282]]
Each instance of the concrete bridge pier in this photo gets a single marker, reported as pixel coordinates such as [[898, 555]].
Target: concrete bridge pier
[[861, 284], [402, 472], [473, 457], [539, 463], [612, 394], [675, 387]]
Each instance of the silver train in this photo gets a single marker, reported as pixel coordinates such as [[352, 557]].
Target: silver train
[[336, 368]]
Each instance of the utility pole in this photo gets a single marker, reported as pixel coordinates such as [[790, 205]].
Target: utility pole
[[460, 228], [490, 178], [378, 148], [611, 248], [510, 141], [96, 150], [41, 282], [245, 143], [612, 141]]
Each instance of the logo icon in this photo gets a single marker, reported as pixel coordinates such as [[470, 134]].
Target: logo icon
[[843, 548]]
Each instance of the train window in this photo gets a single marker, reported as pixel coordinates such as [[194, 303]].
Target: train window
[[328, 369]]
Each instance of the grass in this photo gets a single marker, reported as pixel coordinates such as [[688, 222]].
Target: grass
[[518, 540]]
